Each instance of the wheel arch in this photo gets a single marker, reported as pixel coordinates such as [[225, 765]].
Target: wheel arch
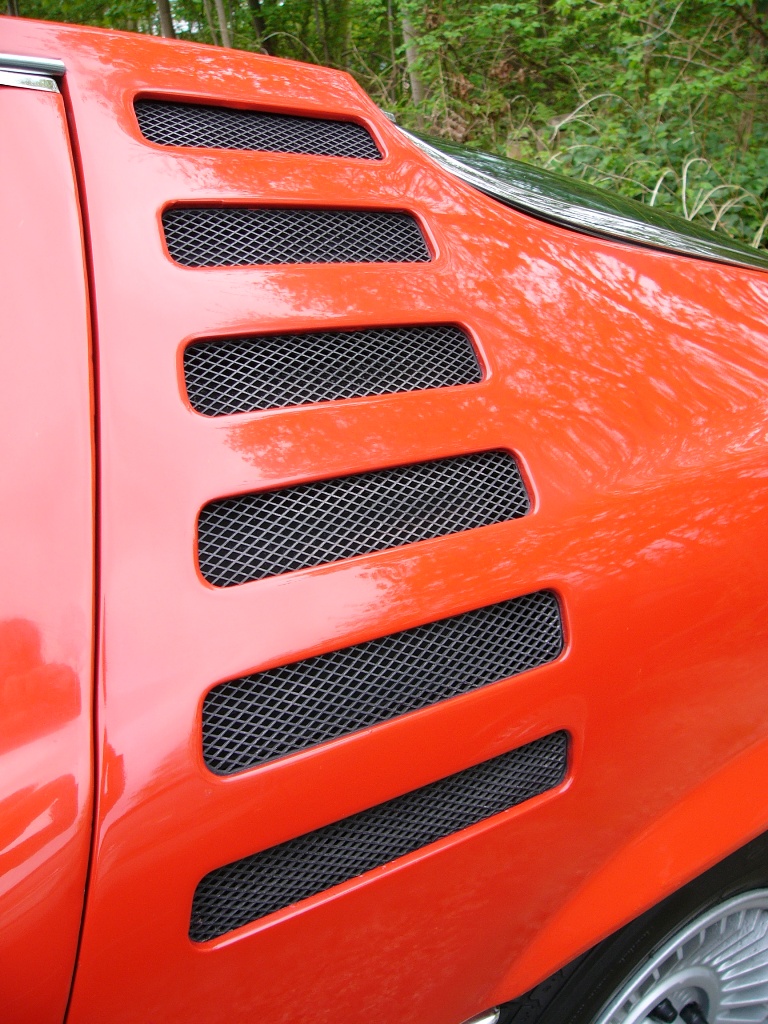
[[681, 845]]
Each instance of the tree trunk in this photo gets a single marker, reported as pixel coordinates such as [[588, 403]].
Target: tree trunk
[[320, 30], [418, 92], [209, 19], [392, 47], [166, 21], [341, 34], [259, 23], [226, 39]]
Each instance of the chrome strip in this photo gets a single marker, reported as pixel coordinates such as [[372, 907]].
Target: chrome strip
[[22, 80], [48, 66], [489, 1017], [585, 208]]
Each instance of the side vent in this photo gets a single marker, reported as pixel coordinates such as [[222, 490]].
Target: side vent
[[189, 124], [272, 532], [271, 714], [239, 236], [269, 371], [249, 889]]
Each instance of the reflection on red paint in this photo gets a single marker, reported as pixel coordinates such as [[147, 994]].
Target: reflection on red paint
[[113, 778], [35, 698], [31, 818]]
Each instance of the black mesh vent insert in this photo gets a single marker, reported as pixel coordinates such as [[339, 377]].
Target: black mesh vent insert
[[190, 124], [251, 888], [237, 236], [257, 535], [270, 714], [273, 370]]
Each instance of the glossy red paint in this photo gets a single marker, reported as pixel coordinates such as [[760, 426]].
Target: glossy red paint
[[632, 386], [46, 554]]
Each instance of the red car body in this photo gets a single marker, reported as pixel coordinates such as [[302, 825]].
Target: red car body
[[631, 386]]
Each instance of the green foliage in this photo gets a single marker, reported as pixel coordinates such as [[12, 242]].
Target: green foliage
[[665, 101], [134, 15]]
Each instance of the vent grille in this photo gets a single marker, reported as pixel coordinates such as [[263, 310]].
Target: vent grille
[[283, 710], [265, 534], [236, 236], [249, 889], [208, 127], [274, 370]]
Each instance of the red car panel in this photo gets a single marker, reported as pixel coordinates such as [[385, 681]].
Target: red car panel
[[46, 554], [631, 386]]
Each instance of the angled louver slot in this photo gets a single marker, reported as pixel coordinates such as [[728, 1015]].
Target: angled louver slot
[[268, 371], [253, 536], [283, 710], [168, 123], [236, 236], [249, 889]]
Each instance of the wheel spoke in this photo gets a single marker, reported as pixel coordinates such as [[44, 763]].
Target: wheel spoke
[[713, 971]]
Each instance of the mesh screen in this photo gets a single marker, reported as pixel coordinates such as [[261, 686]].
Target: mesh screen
[[234, 236], [283, 710], [257, 535], [251, 888], [190, 124], [273, 370]]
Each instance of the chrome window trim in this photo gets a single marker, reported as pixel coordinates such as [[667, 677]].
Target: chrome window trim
[[574, 204], [23, 80], [49, 67]]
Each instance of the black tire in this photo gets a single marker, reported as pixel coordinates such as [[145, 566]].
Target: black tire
[[579, 992]]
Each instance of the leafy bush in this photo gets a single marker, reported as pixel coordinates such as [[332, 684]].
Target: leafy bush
[[665, 102]]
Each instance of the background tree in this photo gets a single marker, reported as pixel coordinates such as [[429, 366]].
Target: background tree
[[166, 19]]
